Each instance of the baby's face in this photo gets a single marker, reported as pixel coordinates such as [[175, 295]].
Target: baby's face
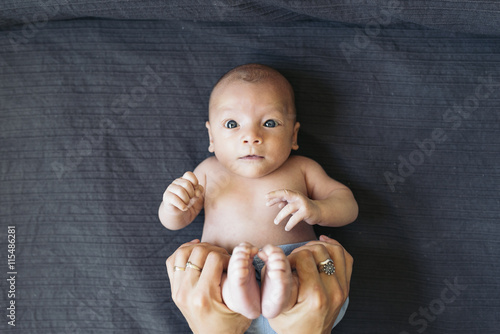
[[251, 127]]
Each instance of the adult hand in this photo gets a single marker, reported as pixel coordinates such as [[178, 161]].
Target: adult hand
[[197, 293], [320, 296]]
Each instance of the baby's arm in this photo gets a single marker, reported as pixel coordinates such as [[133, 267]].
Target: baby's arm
[[336, 201], [328, 202], [182, 202]]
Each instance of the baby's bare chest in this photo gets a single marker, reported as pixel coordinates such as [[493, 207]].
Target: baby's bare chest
[[225, 193], [236, 210]]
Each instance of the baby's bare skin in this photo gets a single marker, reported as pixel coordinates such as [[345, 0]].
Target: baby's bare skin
[[236, 210], [241, 292], [279, 286], [239, 209], [253, 191]]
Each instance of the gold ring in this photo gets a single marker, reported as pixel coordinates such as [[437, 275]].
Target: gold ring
[[192, 266], [326, 267], [179, 268]]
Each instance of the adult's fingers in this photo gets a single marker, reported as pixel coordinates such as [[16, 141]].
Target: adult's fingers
[[170, 263], [211, 275], [179, 259], [194, 252], [308, 275], [196, 261], [320, 296], [306, 259], [338, 283], [342, 259]]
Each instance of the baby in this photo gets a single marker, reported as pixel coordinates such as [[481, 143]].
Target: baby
[[253, 192]]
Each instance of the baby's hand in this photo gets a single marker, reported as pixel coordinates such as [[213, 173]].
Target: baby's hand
[[294, 204], [183, 193]]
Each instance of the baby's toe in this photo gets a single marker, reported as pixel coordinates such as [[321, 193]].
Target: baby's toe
[[240, 266], [244, 249], [275, 260]]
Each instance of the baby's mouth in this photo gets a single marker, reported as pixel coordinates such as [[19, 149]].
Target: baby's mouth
[[252, 157]]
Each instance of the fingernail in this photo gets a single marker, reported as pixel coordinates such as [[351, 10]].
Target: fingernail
[[324, 237]]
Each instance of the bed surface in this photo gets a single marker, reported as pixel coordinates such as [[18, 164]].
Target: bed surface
[[103, 104]]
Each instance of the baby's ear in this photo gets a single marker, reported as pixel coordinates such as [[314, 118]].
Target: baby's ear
[[295, 146], [211, 145]]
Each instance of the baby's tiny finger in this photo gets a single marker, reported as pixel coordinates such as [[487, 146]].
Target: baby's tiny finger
[[273, 198], [294, 220], [280, 195], [178, 203], [191, 177], [186, 185], [285, 212], [181, 194], [199, 190]]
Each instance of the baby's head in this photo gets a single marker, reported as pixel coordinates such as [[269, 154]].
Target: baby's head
[[257, 73], [252, 124]]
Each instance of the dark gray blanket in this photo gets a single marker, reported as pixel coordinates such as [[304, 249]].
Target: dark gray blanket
[[103, 104]]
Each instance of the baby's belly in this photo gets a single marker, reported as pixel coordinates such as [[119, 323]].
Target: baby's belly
[[234, 226]]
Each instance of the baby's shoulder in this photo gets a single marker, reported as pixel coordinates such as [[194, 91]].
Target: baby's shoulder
[[302, 162], [208, 165], [309, 168]]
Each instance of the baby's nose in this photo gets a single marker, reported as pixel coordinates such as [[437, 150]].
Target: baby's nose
[[252, 137]]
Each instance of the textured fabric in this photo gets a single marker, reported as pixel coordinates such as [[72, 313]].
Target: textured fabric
[[98, 114], [456, 15]]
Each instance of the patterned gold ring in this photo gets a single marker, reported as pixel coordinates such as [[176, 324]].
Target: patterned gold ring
[[327, 267]]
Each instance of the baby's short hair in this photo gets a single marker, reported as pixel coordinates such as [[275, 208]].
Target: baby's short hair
[[255, 73]]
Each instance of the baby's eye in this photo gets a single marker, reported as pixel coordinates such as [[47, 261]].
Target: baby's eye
[[231, 124], [271, 123]]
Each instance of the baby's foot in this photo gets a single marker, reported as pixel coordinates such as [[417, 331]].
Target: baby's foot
[[240, 291], [279, 288]]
